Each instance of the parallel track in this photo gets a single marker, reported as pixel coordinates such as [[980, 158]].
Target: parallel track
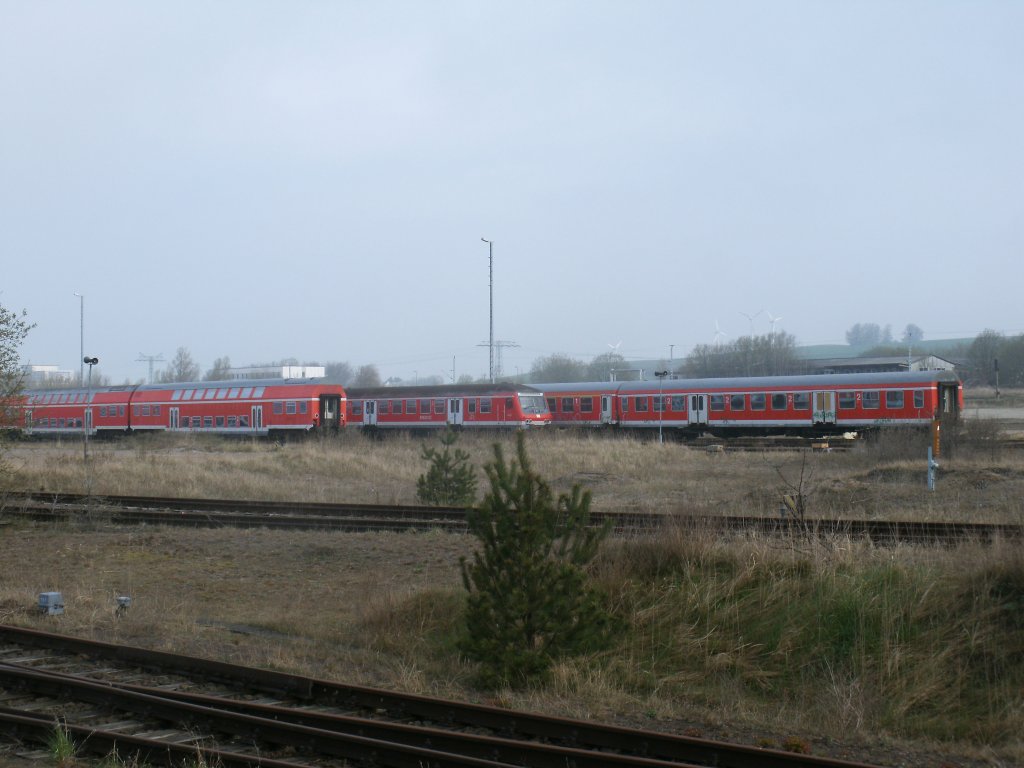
[[243, 716], [217, 513]]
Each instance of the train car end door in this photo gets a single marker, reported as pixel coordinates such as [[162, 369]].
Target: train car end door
[[698, 410], [606, 410]]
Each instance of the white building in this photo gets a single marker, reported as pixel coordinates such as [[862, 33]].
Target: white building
[[278, 372]]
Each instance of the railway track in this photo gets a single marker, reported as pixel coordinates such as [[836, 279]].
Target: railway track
[[217, 513], [164, 706]]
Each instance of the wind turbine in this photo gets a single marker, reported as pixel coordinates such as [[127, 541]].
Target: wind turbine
[[614, 348], [719, 333], [751, 319], [773, 320]]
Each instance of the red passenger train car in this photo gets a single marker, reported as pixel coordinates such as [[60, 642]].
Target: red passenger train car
[[218, 407], [500, 405], [811, 404]]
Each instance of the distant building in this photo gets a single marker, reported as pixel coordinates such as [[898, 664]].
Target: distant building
[[278, 372], [48, 375], [879, 364]]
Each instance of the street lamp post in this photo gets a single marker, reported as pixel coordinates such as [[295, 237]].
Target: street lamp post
[[490, 342], [81, 336], [87, 422], [661, 402]]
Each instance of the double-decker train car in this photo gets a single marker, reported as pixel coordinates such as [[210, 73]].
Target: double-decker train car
[[218, 407], [812, 404], [500, 405]]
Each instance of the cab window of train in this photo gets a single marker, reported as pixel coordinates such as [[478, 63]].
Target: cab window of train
[[801, 401], [919, 398], [640, 404], [871, 399], [847, 401], [485, 405], [757, 401], [778, 401], [567, 405], [439, 406], [586, 405], [894, 398], [678, 402], [717, 402]]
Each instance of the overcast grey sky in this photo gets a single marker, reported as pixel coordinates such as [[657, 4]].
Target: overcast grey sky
[[312, 179]]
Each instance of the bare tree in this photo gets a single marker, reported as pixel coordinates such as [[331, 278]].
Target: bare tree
[[221, 369], [181, 368], [13, 330], [557, 367], [367, 376]]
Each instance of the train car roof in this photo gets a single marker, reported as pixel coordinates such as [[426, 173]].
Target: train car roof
[[440, 390], [761, 382], [172, 385]]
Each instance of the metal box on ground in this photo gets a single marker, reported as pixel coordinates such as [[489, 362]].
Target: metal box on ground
[[51, 603]]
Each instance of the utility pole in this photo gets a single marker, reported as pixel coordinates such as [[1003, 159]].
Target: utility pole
[[144, 358]]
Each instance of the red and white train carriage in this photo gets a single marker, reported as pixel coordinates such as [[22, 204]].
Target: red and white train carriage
[[500, 405], [778, 404], [218, 407]]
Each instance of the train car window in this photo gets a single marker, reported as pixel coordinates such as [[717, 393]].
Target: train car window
[[660, 403], [567, 405], [509, 403], [303, 407], [258, 391], [871, 399], [233, 393], [717, 402], [847, 401], [485, 405], [801, 401], [60, 422], [290, 407], [778, 401], [737, 402], [246, 392], [552, 402], [176, 395], [186, 394], [220, 422], [757, 401], [471, 405], [207, 421], [439, 406], [894, 398], [640, 404], [135, 410], [232, 421], [586, 405], [382, 408], [919, 398], [103, 410], [396, 407], [243, 421], [410, 406], [209, 394], [222, 393], [357, 409], [278, 407], [424, 406], [678, 402], [156, 410], [624, 404], [145, 410]]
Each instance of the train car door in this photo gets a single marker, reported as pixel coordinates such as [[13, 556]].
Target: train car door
[[949, 404], [369, 413], [455, 411], [173, 418], [330, 410], [698, 410], [257, 418], [606, 410], [824, 408]]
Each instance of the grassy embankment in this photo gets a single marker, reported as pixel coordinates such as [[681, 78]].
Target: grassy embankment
[[817, 638]]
